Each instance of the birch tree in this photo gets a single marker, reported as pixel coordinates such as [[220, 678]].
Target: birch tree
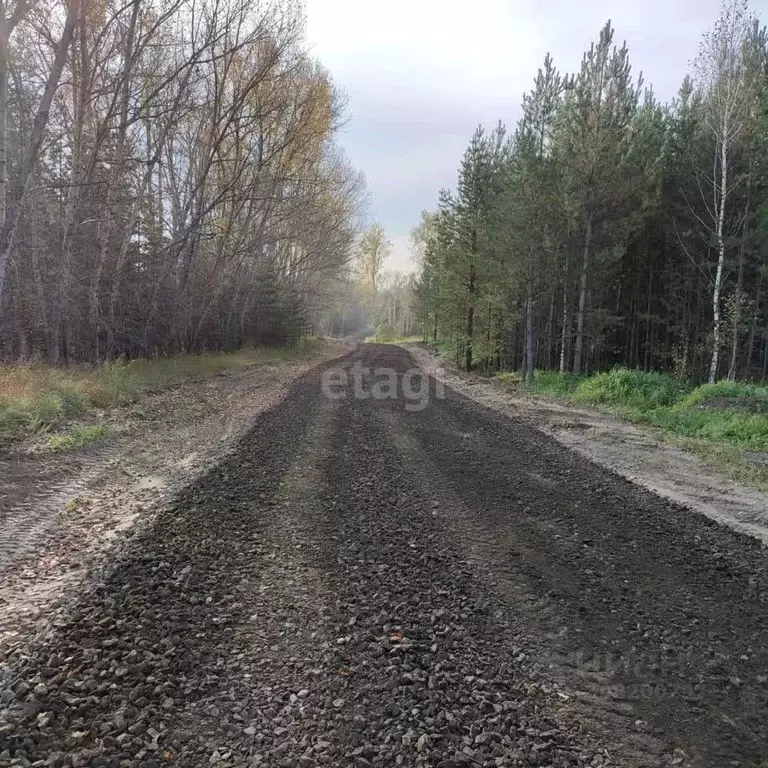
[[729, 83]]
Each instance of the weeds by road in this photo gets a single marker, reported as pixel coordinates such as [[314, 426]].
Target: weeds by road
[[61, 509], [726, 422], [716, 479], [37, 398]]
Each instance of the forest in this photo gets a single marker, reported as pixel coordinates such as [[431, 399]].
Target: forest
[[371, 300], [169, 178], [610, 229]]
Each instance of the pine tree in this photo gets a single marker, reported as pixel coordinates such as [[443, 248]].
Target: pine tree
[[527, 219], [478, 184], [729, 84], [593, 141]]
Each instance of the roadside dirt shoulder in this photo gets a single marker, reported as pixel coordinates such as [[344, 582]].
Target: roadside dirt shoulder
[[629, 451], [60, 514]]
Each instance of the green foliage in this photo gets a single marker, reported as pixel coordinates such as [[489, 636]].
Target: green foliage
[[114, 384], [589, 234], [734, 395], [556, 384], [513, 378], [745, 430], [545, 382], [77, 438], [727, 413], [639, 390], [446, 348], [20, 416], [385, 333]]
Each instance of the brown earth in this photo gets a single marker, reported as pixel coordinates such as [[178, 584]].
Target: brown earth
[[61, 513]]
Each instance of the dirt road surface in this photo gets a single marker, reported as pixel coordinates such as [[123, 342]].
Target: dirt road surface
[[364, 583], [640, 454]]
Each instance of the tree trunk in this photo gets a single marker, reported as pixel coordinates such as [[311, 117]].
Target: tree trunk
[[470, 319], [579, 346], [471, 307], [720, 258], [566, 318], [550, 328], [13, 211], [753, 328], [739, 286], [647, 357], [765, 359], [4, 34], [529, 335]]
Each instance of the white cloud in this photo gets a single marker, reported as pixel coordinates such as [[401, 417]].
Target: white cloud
[[421, 74], [401, 259], [448, 44]]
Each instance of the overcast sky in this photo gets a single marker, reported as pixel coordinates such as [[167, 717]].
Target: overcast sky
[[421, 74]]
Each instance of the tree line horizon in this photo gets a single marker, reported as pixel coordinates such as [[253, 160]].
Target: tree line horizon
[[611, 229], [169, 178]]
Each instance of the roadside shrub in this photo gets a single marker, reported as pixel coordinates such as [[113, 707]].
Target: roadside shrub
[[729, 395], [556, 384], [35, 397], [748, 431], [385, 333], [28, 415], [77, 438], [72, 399], [638, 390], [14, 419], [111, 384], [509, 377]]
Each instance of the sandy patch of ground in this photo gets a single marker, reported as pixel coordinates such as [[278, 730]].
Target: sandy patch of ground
[[630, 451], [60, 514]]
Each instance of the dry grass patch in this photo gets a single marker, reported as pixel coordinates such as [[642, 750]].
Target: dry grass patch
[[34, 398]]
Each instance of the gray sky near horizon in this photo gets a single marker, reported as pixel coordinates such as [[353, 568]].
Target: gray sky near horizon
[[421, 74]]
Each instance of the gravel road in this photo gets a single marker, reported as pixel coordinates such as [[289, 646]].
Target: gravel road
[[364, 583]]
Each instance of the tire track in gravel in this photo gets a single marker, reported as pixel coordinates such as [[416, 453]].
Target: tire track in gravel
[[431, 673], [659, 611], [247, 628], [144, 669], [595, 699], [27, 523]]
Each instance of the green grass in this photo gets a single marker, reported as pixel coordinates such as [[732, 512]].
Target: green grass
[[376, 339], [545, 382], [77, 438], [726, 423], [556, 384], [728, 394], [622, 387], [512, 378], [746, 431], [732, 413], [34, 398]]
